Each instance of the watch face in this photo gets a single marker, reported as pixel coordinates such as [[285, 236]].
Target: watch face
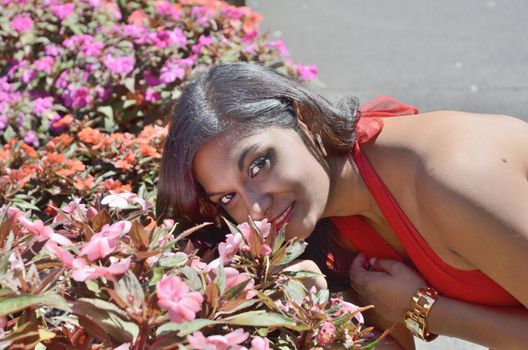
[[412, 325]]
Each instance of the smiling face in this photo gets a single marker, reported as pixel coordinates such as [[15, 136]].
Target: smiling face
[[269, 174]]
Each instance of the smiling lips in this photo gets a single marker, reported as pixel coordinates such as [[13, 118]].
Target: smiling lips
[[284, 217]]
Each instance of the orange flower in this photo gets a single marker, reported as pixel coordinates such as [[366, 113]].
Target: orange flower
[[148, 151], [66, 121], [137, 17], [84, 184], [72, 167], [22, 175], [127, 162], [116, 186], [53, 159], [252, 20], [89, 135], [4, 154], [30, 151]]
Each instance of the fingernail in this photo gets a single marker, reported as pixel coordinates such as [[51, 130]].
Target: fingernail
[[372, 261]]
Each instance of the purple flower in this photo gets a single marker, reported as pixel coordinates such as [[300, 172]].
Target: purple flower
[[81, 97], [307, 72], [150, 79], [44, 64], [119, 65], [3, 122], [103, 93], [32, 139], [42, 105], [62, 11], [56, 129], [22, 22]]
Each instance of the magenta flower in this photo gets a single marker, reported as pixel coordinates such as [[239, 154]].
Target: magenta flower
[[22, 22], [44, 64], [163, 7], [105, 242], [202, 14], [281, 46], [174, 294], [202, 41], [307, 72], [81, 97], [62, 11], [258, 343], [152, 95], [52, 50], [167, 38], [42, 105], [119, 65], [229, 341], [3, 122], [326, 333], [172, 70]]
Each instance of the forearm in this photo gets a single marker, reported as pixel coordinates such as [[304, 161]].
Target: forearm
[[494, 327]]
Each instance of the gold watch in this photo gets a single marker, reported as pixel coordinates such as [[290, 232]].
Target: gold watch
[[416, 316]]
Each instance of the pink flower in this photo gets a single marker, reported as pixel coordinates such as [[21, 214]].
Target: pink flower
[[119, 65], [307, 72], [123, 200], [172, 70], [62, 254], [105, 242], [62, 11], [22, 22], [279, 45], [259, 343], [347, 307], [234, 278], [174, 294], [83, 271], [163, 7], [229, 341], [14, 213], [229, 248], [326, 333], [265, 250], [44, 232]]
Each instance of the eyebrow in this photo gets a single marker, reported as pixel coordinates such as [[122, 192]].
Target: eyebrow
[[241, 161]]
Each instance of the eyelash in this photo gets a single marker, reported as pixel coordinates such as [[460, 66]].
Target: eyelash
[[262, 161]]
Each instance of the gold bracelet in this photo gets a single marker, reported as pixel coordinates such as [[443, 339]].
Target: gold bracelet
[[416, 316]]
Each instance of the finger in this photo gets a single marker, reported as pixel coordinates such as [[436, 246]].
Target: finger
[[359, 262], [389, 266]]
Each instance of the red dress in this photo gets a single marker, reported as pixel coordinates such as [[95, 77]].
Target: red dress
[[471, 286]]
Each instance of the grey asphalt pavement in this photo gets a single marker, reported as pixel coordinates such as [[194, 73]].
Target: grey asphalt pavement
[[469, 55]]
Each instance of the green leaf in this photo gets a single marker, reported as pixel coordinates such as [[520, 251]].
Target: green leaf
[[192, 278], [293, 252], [129, 103], [173, 261], [220, 278], [295, 291], [184, 329], [127, 285], [20, 302], [260, 318], [109, 122], [279, 240], [108, 317], [130, 83]]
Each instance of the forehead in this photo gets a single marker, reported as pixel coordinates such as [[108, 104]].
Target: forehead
[[221, 155]]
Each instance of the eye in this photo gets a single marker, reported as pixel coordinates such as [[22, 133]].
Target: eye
[[258, 164], [227, 198]]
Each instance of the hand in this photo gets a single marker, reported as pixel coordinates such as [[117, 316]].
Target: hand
[[387, 284]]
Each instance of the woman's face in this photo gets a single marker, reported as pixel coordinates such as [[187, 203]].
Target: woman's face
[[269, 174]]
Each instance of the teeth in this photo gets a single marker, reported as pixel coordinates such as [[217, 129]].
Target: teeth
[[283, 216]]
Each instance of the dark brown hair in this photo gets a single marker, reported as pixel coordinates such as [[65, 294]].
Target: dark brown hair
[[240, 97]]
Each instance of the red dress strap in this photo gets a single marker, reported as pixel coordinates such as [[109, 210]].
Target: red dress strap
[[472, 286]]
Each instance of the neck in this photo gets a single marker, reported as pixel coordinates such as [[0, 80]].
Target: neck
[[349, 194]]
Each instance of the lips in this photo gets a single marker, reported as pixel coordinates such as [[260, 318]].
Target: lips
[[279, 220]]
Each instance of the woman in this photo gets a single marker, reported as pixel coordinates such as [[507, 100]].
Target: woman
[[437, 203]]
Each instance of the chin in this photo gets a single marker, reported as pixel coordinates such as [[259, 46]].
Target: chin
[[302, 231]]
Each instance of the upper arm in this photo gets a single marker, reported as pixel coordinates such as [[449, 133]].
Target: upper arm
[[481, 212]]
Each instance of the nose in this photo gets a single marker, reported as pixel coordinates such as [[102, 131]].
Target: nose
[[257, 204]]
